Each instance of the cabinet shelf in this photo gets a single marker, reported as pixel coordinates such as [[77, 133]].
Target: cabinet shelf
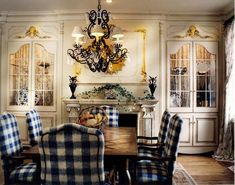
[[181, 59], [179, 75]]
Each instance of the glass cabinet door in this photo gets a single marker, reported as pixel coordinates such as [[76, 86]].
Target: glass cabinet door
[[32, 75], [205, 76], [44, 76], [19, 76], [180, 77]]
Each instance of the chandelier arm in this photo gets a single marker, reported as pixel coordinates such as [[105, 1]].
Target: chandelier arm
[[115, 57], [105, 66], [105, 16], [92, 16], [91, 65], [91, 25], [104, 23], [79, 54]]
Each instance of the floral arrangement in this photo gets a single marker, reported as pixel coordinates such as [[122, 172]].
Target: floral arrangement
[[119, 90]]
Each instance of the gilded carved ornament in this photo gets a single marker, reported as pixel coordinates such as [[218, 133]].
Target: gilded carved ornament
[[32, 32], [192, 32]]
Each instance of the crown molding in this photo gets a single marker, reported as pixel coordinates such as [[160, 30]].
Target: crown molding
[[65, 15]]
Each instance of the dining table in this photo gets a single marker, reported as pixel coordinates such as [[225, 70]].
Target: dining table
[[120, 148]]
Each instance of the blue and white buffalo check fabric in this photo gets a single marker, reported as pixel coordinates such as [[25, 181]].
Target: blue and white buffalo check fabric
[[113, 115], [172, 141], [72, 154], [34, 126], [10, 145], [9, 135], [151, 172], [161, 137], [24, 172], [164, 127]]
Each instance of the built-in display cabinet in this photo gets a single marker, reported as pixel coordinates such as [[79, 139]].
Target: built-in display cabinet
[[192, 87], [31, 69]]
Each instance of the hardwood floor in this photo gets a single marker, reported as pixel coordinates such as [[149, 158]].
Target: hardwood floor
[[206, 170]]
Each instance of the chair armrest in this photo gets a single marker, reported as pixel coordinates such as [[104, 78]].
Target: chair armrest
[[26, 147], [158, 146], [155, 147], [145, 141], [157, 158], [15, 157], [148, 138]]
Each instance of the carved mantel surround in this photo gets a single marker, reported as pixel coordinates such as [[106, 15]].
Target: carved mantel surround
[[145, 109]]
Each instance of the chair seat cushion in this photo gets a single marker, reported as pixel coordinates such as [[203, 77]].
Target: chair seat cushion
[[150, 172], [24, 172], [143, 152]]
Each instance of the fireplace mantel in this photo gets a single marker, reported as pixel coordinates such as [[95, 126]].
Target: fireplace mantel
[[144, 108]]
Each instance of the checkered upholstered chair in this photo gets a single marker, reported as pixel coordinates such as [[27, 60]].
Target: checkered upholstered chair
[[159, 169], [72, 154], [113, 115], [34, 126], [145, 148], [10, 150]]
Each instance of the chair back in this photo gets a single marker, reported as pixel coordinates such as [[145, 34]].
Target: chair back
[[113, 115], [164, 126], [10, 143], [34, 126], [72, 154], [172, 141]]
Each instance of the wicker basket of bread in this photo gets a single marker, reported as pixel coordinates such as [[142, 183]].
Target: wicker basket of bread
[[94, 117]]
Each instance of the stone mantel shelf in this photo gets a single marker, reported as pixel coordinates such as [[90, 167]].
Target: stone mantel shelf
[[109, 102]]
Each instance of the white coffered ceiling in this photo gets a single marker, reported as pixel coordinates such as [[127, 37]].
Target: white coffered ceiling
[[202, 7]]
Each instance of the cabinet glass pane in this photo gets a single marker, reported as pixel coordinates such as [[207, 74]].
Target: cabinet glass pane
[[39, 98], [44, 76], [48, 98], [205, 76], [19, 76], [185, 83], [206, 99], [175, 84], [175, 99], [185, 97], [180, 77]]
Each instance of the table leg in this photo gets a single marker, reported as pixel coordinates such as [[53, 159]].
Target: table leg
[[124, 174]]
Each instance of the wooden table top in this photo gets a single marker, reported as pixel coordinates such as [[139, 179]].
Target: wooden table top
[[119, 141]]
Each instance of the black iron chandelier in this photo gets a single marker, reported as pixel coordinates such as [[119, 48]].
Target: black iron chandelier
[[98, 55]]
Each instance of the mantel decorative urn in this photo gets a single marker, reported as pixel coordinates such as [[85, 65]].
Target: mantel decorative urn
[[73, 85], [152, 86]]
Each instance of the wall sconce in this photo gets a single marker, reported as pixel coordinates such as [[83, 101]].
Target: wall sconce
[[98, 55]]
